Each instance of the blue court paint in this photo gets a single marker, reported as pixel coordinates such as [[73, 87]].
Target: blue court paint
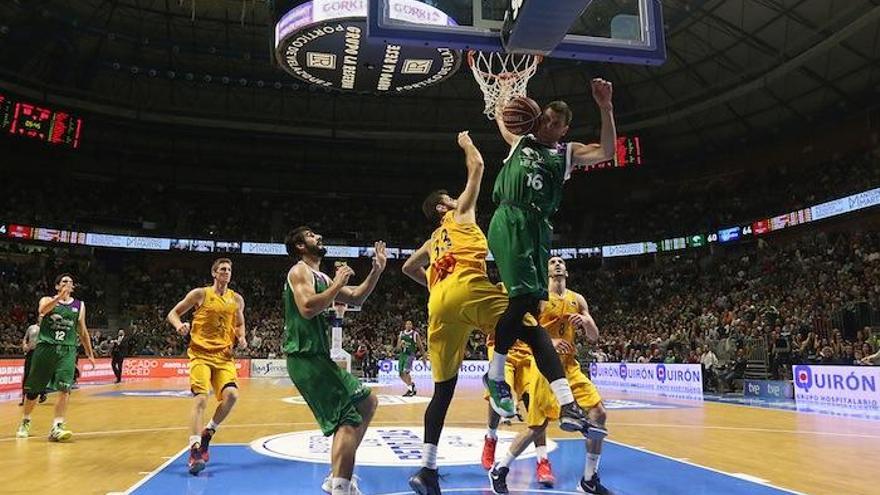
[[625, 470]]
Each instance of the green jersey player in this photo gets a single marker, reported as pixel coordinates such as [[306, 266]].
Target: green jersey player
[[342, 405], [62, 319], [408, 341], [528, 191]]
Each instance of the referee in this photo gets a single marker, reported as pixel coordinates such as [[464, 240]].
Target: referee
[[121, 345], [28, 344]]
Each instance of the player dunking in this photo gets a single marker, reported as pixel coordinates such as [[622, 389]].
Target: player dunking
[[218, 323], [564, 313], [528, 191], [342, 406], [407, 342], [461, 298], [62, 319]]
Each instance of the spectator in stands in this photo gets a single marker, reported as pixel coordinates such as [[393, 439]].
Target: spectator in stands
[[709, 364], [737, 371]]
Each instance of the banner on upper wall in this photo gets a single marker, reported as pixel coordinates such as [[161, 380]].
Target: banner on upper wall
[[844, 387], [683, 381], [469, 370], [768, 389]]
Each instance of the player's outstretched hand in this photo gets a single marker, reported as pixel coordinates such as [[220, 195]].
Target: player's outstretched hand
[[242, 342], [464, 139], [92, 362], [379, 256], [602, 92]]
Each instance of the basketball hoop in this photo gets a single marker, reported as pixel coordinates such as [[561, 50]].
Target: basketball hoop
[[502, 76]]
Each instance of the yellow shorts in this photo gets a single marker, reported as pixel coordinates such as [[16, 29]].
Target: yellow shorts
[[542, 400], [205, 372], [458, 305]]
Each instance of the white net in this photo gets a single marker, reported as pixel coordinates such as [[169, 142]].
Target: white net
[[502, 76]]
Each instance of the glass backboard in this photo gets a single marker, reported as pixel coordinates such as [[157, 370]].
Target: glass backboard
[[618, 31]]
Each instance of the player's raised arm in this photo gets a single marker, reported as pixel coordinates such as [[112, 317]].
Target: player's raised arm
[[583, 155], [414, 266], [193, 298], [310, 303], [503, 98], [465, 212], [584, 320], [356, 295]]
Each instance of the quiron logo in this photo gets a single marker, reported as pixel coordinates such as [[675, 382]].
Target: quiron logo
[[390, 446]]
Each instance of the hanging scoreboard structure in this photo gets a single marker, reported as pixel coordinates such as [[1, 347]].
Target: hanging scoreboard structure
[[21, 118]]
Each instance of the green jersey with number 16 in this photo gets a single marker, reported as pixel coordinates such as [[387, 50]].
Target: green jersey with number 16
[[533, 175]]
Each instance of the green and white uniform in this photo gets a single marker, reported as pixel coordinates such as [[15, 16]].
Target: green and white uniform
[[407, 353], [528, 191], [331, 392], [54, 359]]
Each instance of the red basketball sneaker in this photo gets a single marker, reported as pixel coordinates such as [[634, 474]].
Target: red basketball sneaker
[[544, 474], [489, 452]]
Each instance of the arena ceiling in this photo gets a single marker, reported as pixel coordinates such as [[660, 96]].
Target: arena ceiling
[[737, 70]]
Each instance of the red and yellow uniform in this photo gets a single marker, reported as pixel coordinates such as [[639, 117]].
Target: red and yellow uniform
[[461, 296], [212, 338], [554, 318]]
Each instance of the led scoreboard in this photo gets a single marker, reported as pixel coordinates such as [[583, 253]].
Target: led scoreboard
[[44, 124]]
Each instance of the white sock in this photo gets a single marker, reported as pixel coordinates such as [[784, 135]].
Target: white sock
[[194, 439], [26, 417], [508, 460], [496, 367], [212, 425], [541, 451], [592, 466], [429, 456], [562, 391], [340, 486], [492, 433], [57, 421]]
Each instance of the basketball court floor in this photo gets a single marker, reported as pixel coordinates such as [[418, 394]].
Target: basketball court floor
[[131, 438]]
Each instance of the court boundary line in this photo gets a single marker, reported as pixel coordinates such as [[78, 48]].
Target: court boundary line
[[156, 471], [481, 423]]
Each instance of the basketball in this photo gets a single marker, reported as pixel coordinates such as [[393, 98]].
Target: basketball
[[521, 115]]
